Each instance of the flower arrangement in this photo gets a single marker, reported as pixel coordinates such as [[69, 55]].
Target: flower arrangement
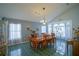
[[32, 30], [76, 31]]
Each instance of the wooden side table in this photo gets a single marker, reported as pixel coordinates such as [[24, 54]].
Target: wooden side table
[[69, 42], [75, 47]]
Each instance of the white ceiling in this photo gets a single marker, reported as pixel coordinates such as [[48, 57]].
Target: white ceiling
[[33, 12]]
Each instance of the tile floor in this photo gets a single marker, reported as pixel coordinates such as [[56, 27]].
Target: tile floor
[[24, 49]]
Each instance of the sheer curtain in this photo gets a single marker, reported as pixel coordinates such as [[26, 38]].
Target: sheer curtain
[[14, 33]]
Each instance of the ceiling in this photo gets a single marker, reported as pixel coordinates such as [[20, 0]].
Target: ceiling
[[33, 12]]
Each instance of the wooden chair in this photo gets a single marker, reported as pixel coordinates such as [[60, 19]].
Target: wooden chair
[[44, 41], [49, 41], [35, 43]]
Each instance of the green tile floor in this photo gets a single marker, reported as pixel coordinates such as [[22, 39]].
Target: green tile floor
[[24, 49]]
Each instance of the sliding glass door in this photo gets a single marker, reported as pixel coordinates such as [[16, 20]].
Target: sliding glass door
[[62, 31]]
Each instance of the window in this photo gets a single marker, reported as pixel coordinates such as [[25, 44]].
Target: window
[[59, 30], [49, 28], [43, 29], [14, 31]]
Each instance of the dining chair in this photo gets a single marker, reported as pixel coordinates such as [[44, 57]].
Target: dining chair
[[44, 42], [35, 43]]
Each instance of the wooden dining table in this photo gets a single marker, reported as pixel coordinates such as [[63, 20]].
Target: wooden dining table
[[48, 40], [40, 39]]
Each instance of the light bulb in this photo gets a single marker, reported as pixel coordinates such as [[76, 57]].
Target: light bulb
[[44, 23]]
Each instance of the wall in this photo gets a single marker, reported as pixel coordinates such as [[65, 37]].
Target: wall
[[24, 25], [71, 14]]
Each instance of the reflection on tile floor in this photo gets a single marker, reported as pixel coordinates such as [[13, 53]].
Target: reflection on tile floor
[[60, 47], [24, 49]]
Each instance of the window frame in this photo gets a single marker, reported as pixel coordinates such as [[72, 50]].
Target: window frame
[[13, 33], [43, 29]]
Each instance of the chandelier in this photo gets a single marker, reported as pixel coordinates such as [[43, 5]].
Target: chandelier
[[44, 21]]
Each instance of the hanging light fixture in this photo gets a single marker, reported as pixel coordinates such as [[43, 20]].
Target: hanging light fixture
[[44, 21]]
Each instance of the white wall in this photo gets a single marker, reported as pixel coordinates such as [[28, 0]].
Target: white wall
[[71, 14]]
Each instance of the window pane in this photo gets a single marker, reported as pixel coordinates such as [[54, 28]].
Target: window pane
[[10, 35], [18, 27], [15, 31], [11, 27], [49, 28], [18, 34], [43, 29]]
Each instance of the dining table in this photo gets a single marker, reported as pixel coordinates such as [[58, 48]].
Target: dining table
[[48, 40]]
